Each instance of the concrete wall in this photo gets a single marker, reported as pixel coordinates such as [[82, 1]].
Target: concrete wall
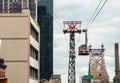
[[14, 27], [15, 35]]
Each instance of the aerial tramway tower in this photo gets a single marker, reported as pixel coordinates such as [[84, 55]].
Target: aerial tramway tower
[[72, 30]]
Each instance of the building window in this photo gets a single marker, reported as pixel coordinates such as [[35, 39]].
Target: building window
[[0, 6], [11, 6], [19, 1], [34, 33], [14, 7], [25, 4], [33, 53], [32, 7], [33, 73], [5, 6]]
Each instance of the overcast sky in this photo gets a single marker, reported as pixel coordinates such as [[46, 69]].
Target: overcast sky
[[105, 29]]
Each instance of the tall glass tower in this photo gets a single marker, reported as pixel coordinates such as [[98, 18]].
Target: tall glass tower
[[45, 19]]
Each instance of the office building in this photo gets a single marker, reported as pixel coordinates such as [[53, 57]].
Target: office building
[[16, 6], [45, 20], [20, 47], [20, 35]]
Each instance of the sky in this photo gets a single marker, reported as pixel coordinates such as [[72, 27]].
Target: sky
[[104, 30]]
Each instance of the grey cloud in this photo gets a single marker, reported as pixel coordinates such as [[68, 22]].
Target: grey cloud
[[105, 29]]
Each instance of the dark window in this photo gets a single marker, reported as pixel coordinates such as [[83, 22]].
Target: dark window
[[5, 6], [11, 6], [0, 6], [14, 7], [33, 73], [24, 4], [19, 1], [32, 7], [33, 53], [34, 33]]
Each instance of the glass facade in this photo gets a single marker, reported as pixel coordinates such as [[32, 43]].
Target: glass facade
[[1, 6], [45, 20], [11, 6], [32, 7], [14, 7], [5, 6], [25, 4]]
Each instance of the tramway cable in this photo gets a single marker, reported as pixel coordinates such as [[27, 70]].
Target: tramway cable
[[96, 15]]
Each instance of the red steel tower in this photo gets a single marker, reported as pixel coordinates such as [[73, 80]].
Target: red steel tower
[[72, 30]]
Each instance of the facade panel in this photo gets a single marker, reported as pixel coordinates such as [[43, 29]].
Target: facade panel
[[34, 63], [15, 49], [16, 72], [34, 43], [16, 27]]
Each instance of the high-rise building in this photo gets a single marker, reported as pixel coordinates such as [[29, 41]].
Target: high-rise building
[[45, 19], [16, 6], [20, 37]]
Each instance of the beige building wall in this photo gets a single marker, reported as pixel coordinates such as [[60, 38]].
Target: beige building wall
[[15, 36], [50, 82]]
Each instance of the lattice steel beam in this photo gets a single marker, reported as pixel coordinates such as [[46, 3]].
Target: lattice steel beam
[[97, 65], [72, 30]]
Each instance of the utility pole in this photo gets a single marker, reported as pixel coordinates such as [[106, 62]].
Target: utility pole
[[72, 30]]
